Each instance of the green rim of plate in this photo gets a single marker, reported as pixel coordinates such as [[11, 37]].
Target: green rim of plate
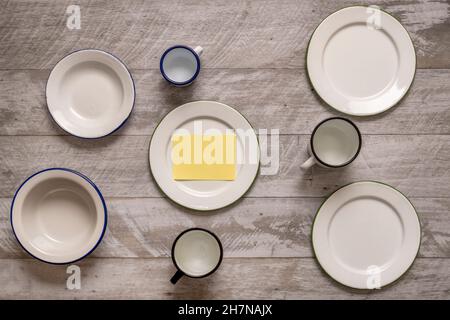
[[387, 284], [354, 115], [200, 210]]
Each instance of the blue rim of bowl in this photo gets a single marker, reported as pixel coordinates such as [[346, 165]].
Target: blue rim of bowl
[[99, 194], [175, 82], [134, 94]]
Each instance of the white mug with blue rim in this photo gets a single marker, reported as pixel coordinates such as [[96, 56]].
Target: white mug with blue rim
[[180, 65]]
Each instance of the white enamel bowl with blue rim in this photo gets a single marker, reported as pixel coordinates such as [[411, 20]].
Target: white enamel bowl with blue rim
[[58, 216], [90, 93]]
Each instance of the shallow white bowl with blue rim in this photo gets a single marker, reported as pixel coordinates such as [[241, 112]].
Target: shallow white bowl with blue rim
[[90, 93]]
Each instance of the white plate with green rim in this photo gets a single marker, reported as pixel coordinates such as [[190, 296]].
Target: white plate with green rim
[[204, 195], [361, 60], [366, 235]]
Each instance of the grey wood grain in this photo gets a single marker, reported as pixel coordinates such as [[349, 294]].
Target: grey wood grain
[[417, 165], [255, 227], [269, 98], [234, 33], [271, 278], [254, 60]]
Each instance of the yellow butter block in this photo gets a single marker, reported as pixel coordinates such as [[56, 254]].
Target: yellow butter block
[[204, 157]]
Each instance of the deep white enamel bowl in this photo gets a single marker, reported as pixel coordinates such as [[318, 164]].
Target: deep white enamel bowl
[[58, 216]]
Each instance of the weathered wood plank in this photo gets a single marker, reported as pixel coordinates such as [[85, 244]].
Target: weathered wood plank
[[270, 98], [254, 60], [416, 165], [235, 279], [145, 228], [235, 34]]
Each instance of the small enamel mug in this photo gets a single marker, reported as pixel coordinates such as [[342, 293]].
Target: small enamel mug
[[335, 143], [196, 253], [180, 65]]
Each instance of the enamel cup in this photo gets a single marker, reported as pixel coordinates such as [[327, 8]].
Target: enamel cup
[[335, 142], [180, 65], [196, 253]]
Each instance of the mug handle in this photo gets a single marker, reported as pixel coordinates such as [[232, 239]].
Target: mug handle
[[177, 276], [198, 50], [308, 163]]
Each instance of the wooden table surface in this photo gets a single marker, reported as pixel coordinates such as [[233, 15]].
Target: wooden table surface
[[254, 60]]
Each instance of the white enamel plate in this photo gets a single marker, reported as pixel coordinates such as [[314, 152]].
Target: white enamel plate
[[366, 235], [361, 61], [204, 195], [90, 93]]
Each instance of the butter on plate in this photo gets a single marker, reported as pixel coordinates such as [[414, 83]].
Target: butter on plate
[[203, 157]]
